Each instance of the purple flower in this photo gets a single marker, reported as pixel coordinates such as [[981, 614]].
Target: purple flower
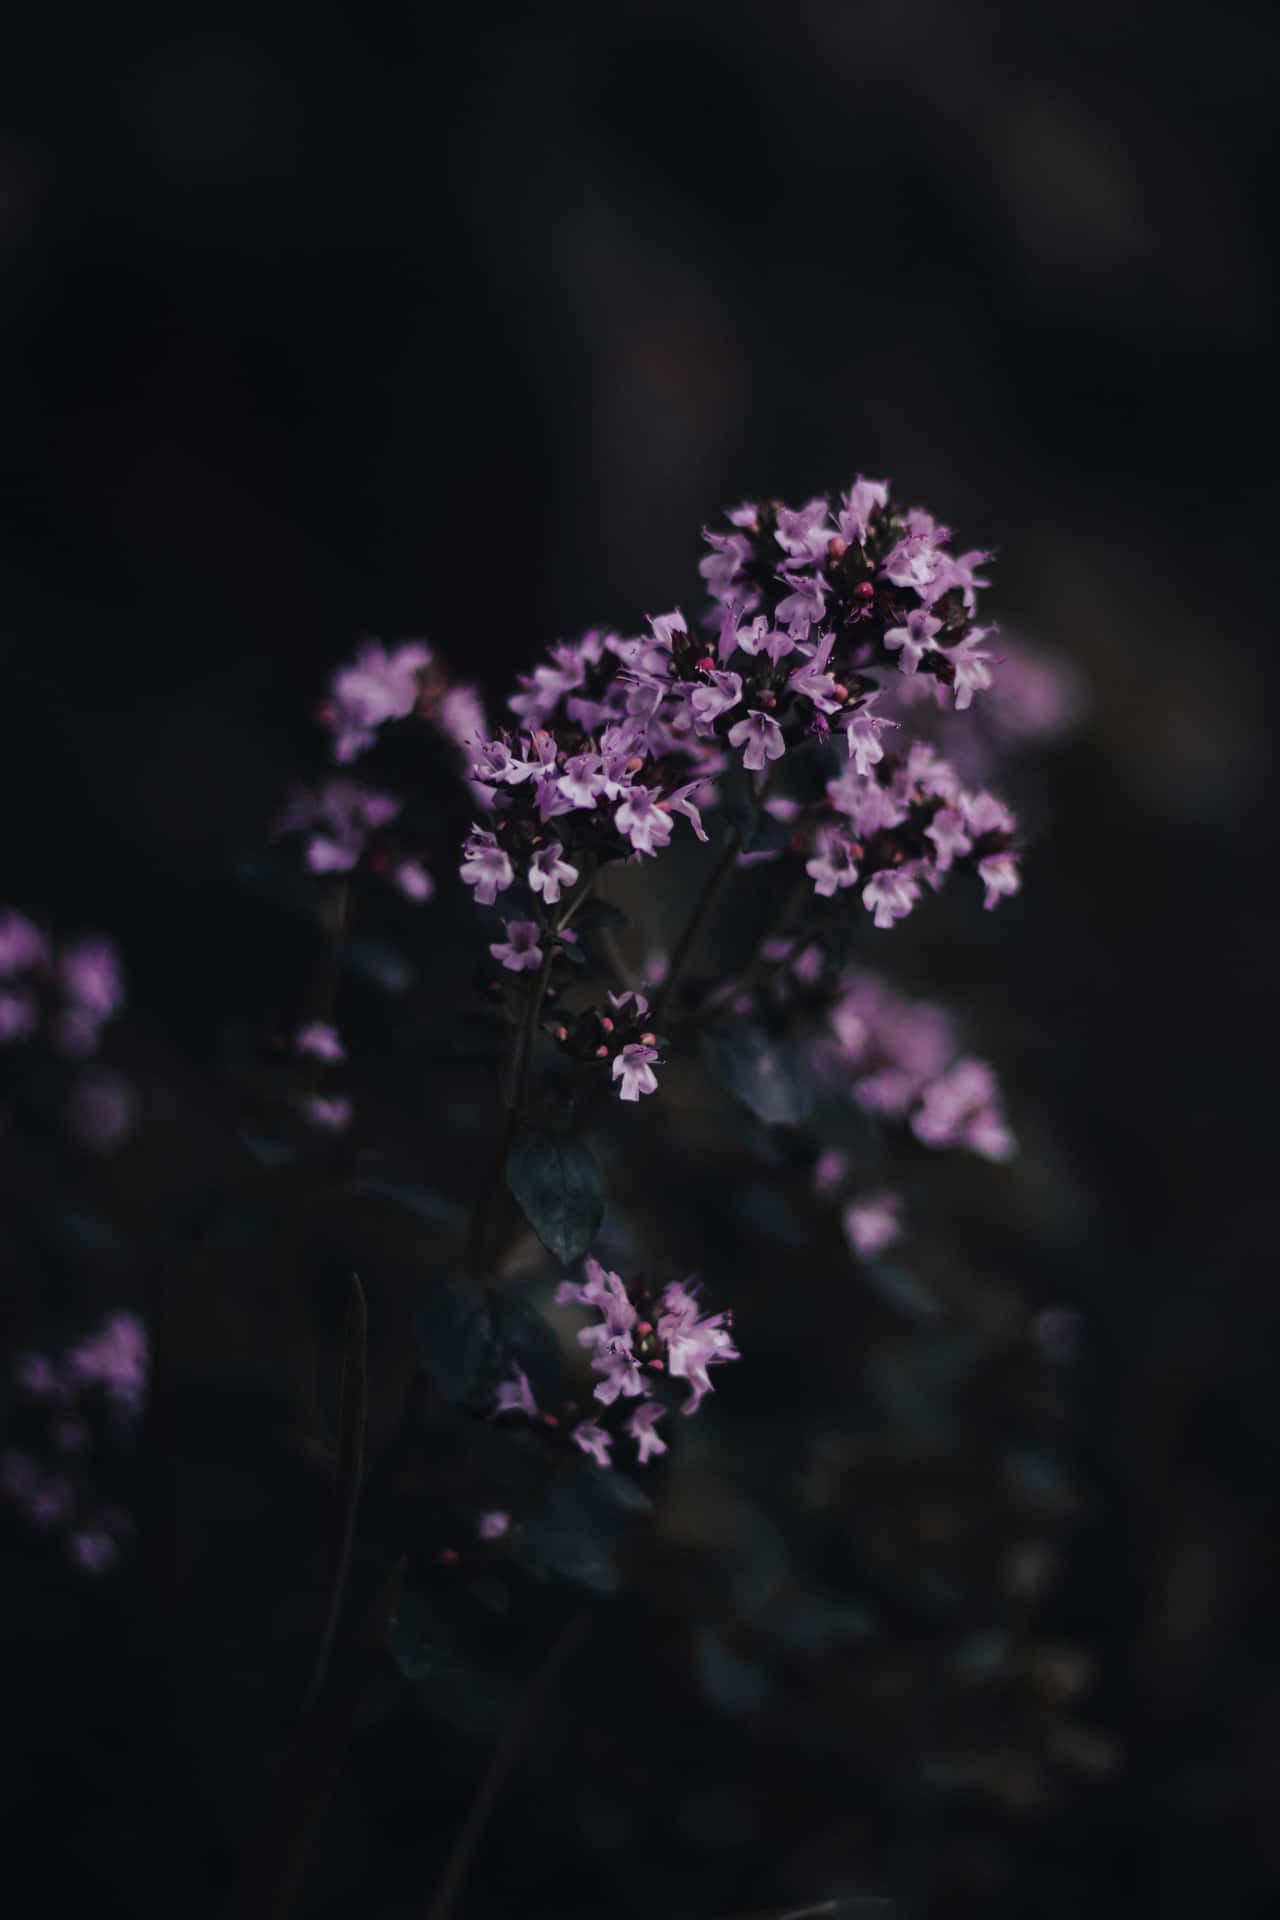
[[90, 975], [949, 834], [873, 1224], [320, 1040], [21, 944], [633, 1066], [519, 952], [640, 1426], [617, 1363], [548, 872], [709, 702], [913, 563], [813, 680], [19, 1016], [347, 812], [862, 732], [829, 1170], [693, 1344], [592, 1438], [413, 880], [856, 508], [972, 671], [486, 866], [762, 739], [378, 687], [959, 572], [516, 1396], [643, 821], [832, 864], [890, 895], [999, 874], [582, 782], [802, 532], [492, 1526], [914, 639], [330, 1113], [461, 716], [680, 802], [804, 606], [93, 1550], [962, 1108], [116, 1358], [494, 764]]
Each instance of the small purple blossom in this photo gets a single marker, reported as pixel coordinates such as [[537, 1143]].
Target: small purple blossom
[[22, 945], [486, 866], [117, 1359], [516, 1396], [643, 821], [891, 895], [634, 1068], [999, 874], [413, 880], [856, 508], [492, 1526], [872, 1224], [548, 872], [693, 1344], [378, 687], [832, 864], [948, 831], [914, 640], [641, 1425], [328, 1113], [760, 737], [519, 952], [320, 1040], [592, 1438], [722, 694]]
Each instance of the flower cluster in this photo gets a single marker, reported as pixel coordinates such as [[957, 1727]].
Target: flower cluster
[[67, 995], [639, 1337], [97, 1388], [340, 818], [817, 618]]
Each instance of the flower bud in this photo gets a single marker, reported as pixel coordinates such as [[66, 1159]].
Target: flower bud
[[606, 1023], [602, 1053], [836, 548], [864, 590]]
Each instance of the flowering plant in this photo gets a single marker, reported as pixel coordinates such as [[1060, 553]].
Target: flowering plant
[[656, 903]]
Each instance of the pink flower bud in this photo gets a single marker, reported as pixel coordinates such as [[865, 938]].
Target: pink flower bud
[[550, 1420], [643, 1327], [648, 1040], [602, 1053], [635, 763], [448, 1556], [706, 664], [606, 1023], [562, 1033], [836, 548], [766, 699], [656, 1366], [864, 590]]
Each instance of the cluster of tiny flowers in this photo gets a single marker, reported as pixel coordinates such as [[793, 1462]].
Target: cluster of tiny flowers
[[345, 820], [816, 614], [63, 998], [67, 995], [105, 1375], [340, 818], [637, 1337], [320, 1042], [899, 1058]]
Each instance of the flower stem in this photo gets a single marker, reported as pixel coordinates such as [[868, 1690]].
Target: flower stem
[[693, 925], [352, 1402]]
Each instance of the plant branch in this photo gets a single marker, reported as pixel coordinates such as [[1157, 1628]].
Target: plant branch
[[693, 925]]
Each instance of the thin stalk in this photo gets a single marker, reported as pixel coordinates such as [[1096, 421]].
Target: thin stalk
[[517, 1094], [516, 1731], [693, 925]]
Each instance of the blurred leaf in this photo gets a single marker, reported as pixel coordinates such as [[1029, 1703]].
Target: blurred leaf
[[417, 1639], [386, 966], [276, 876], [469, 1342], [558, 1183], [900, 1288], [729, 1680], [767, 1075], [577, 1525]]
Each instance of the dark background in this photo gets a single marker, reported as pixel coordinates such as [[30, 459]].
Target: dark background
[[327, 322]]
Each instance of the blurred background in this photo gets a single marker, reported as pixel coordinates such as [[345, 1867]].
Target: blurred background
[[325, 322]]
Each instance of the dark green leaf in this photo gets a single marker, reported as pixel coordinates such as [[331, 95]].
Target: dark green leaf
[[577, 1525], [768, 1075], [558, 1183], [599, 913]]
